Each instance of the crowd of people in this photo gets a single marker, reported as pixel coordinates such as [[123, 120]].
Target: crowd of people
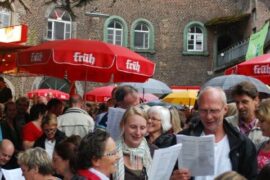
[[53, 139]]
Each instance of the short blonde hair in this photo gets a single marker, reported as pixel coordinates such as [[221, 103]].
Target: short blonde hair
[[263, 111], [134, 110], [230, 175], [36, 158]]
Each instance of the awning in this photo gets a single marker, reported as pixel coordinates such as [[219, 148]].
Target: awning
[[8, 57], [11, 47], [227, 19]]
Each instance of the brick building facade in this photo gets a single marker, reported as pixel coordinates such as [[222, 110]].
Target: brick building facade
[[224, 22]]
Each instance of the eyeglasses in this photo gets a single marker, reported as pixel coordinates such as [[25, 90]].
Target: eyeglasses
[[154, 119], [111, 153], [50, 130], [213, 112]]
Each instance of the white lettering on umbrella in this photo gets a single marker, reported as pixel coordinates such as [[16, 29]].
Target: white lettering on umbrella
[[133, 65], [84, 57], [36, 57], [261, 69]]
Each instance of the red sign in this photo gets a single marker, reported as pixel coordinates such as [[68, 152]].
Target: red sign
[[14, 34]]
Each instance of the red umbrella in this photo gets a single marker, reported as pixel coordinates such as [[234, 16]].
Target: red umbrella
[[258, 67], [48, 93], [11, 46], [86, 60], [99, 94], [8, 57]]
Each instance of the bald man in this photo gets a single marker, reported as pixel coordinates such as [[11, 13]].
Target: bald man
[[6, 152]]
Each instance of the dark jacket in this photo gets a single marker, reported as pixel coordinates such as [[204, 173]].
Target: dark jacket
[[242, 151], [164, 140], [59, 136], [130, 175]]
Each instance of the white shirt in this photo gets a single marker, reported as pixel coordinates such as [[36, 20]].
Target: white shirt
[[99, 174], [222, 160], [49, 147], [75, 121]]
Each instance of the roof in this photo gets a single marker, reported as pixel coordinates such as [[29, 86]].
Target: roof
[[227, 19]]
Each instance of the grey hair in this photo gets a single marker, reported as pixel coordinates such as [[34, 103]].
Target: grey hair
[[165, 116], [217, 89], [36, 158]]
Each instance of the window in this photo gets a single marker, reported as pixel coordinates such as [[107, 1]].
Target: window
[[5, 18], [59, 25], [55, 83], [115, 31], [195, 39], [142, 36]]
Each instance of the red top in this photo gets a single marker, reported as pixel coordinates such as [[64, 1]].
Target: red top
[[263, 158], [30, 132], [88, 174]]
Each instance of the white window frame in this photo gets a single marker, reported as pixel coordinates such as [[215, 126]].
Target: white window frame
[[66, 33], [5, 14], [114, 30], [145, 36], [194, 38]]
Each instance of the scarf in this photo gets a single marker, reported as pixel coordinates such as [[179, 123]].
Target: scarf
[[141, 152]]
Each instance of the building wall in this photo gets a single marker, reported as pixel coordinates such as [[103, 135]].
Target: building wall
[[168, 17]]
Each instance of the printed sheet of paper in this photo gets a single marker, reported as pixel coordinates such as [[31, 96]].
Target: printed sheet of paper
[[114, 118], [197, 154], [163, 162], [13, 174]]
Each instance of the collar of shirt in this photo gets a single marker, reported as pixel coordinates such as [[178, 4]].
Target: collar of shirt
[[99, 174], [247, 127]]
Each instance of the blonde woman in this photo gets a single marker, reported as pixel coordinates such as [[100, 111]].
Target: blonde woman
[[36, 164], [263, 114], [135, 158], [230, 175]]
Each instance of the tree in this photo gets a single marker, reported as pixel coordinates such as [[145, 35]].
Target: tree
[[67, 4]]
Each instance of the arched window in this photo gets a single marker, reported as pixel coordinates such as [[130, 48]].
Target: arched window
[[5, 18], [115, 31], [55, 83], [195, 37], [142, 36], [59, 25]]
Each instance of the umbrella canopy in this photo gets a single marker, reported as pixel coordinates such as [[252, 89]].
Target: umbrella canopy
[[183, 97], [150, 86], [48, 92], [226, 82], [86, 60], [148, 97], [258, 67], [99, 94]]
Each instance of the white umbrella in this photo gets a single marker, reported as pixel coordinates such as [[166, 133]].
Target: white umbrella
[[150, 86], [227, 82]]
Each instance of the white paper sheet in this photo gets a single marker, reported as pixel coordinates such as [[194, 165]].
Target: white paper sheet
[[114, 118], [197, 154], [163, 162], [13, 174]]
